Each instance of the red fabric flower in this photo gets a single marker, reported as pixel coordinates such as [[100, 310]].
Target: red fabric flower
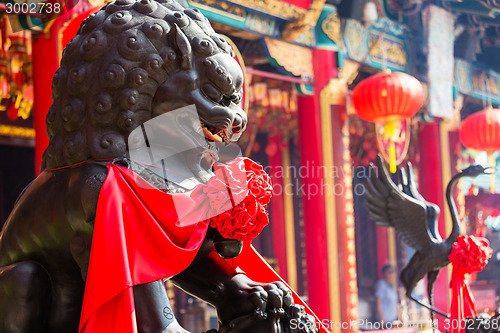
[[469, 254], [259, 182], [239, 194]]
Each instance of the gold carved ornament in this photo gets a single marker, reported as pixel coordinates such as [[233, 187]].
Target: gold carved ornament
[[225, 9], [294, 58], [272, 7], [386, 49], [305, 21], [332, 27]]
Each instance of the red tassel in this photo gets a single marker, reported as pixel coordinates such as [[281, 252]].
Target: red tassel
[[470, 254]]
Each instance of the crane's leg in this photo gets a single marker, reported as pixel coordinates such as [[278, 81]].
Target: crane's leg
[[24, 298], [431, 279], [427, 306], [409, 278]]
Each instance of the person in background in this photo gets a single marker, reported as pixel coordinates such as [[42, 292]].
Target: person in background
[[386, 297]]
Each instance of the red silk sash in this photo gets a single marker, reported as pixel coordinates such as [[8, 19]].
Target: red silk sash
[[139, 237]]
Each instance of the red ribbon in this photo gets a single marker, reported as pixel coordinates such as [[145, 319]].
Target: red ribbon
[[469, 254], [142, 235]]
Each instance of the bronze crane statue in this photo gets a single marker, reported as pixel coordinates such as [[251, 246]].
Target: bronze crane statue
[[415, 221]]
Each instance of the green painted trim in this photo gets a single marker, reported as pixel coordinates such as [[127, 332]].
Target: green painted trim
[[304, 89], [323, 41]]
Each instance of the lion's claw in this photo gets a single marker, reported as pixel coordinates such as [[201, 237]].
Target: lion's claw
[[262, 315], [276, 313]]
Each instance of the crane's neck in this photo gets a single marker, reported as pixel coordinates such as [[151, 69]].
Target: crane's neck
[[456, 229]]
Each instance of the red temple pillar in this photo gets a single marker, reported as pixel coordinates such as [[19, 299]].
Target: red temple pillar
[[312, 178], [47, 49], [45, 63], [431, 188], [314, 206], [344, 216]]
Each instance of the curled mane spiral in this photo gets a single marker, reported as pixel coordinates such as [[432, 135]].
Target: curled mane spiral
[[111, 70]]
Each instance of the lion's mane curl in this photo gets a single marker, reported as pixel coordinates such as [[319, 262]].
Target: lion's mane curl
[[111, 70]]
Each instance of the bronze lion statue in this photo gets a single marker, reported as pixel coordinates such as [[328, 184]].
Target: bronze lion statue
[[129, 63]]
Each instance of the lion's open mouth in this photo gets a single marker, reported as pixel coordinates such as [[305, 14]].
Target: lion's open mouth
[[228, 131], [209, 135], [215, 134]]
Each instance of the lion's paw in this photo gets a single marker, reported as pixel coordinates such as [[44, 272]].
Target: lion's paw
[[247, 306], [241, 296]]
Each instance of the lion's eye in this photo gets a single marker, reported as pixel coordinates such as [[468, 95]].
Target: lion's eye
[[213, 93], [226, 101]]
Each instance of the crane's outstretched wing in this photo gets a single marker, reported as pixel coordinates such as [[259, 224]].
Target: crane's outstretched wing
[[389, 206], [409, 187]]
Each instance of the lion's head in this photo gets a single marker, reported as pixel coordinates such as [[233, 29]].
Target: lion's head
[[132, 61]]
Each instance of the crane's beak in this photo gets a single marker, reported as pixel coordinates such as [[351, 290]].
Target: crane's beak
[[489, 170]]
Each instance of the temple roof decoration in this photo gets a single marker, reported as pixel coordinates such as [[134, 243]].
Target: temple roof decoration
[[276, 8], [407, 7], [276, 19], [331, 28], [304, 22], [293, 58], [474, 7], [476, 13], [221, 8], [305, 4]]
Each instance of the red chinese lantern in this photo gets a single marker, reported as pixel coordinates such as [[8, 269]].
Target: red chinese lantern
[[388, 99], [481, 131]]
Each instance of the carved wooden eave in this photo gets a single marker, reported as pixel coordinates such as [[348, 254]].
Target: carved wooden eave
[[331, 26], [293, 58]]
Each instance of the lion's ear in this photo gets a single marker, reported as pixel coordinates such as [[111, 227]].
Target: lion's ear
[[183, 46]]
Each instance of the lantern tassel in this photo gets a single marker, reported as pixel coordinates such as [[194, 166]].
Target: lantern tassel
[[392, 157], [390, 132]]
